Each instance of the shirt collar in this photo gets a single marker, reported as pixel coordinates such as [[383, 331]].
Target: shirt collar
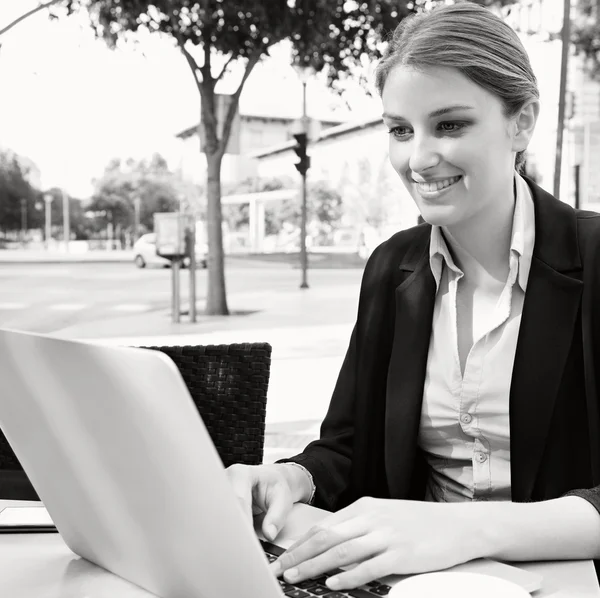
[[521, 245]]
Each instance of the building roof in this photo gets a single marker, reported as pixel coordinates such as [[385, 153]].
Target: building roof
[[331, 133], [328, 119]]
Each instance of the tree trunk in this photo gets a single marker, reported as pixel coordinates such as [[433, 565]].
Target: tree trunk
[[216, 299]]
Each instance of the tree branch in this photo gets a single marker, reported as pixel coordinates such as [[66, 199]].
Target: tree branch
[[28, 14], [207, 61], [181, 43], [233, 106], [192, 63], [231, 58]]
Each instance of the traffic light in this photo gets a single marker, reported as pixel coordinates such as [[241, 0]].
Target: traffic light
[[300, 149]]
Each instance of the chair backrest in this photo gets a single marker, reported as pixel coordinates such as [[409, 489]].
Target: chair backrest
[[228, 384]]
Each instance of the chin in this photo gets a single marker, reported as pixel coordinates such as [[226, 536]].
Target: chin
[[439, 215]]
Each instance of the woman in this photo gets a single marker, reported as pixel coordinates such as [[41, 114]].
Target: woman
[[464, 422]]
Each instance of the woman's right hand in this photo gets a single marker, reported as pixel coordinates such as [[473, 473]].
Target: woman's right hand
[[270, 489]]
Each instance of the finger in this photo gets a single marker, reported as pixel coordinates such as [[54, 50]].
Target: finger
[[319, 540], [328, 522], [278, 506], [351, 552], [378, 566]]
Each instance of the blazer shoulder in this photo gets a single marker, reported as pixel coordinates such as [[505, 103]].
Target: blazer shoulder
[[402, 246], [588, 228]]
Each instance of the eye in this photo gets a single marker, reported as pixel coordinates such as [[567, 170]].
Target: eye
[[399, 132], [451, 127]]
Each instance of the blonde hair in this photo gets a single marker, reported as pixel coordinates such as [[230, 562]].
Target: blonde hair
[[473, 40]]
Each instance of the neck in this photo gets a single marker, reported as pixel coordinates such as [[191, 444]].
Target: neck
[[481, 245]]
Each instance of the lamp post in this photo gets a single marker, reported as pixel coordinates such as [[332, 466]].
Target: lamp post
[[304, 72], [136, 219], [48, 202], [23, 219], [66, 220]]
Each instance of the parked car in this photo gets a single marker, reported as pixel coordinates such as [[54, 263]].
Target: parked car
[[144, 254]]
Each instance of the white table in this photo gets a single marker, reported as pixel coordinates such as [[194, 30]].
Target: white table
[[41, 566]]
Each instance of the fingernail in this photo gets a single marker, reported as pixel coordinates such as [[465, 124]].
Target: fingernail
[[271, 531], [333, 583], [276, 567], [291, 574]]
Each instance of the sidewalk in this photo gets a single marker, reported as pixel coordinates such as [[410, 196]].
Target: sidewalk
[[23, 256], [308, 329], [317, 258]]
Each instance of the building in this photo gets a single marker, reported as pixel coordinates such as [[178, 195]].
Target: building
[[251, 132], [539, 23], [353, 158]]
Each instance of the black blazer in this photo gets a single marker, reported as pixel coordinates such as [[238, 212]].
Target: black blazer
[[368, 443]]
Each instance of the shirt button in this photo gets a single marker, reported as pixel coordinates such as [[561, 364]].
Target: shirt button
[[481, 457], [465, 418]]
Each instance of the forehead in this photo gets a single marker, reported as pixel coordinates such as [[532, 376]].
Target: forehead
[[411, 92]]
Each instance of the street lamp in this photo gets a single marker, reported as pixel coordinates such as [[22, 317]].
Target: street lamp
[[23, 219], [48, 197], [137, 204], [304, 72]]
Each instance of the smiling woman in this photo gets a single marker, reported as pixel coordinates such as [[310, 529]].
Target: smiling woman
[[465, 420]]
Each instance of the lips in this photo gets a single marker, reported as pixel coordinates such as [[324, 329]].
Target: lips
[[433, 186]]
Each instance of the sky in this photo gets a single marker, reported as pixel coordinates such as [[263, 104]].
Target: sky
[[70, 104]]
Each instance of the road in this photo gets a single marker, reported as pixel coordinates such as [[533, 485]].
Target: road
[[50, 297]]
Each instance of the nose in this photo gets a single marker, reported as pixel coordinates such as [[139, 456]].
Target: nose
[[424, 154]]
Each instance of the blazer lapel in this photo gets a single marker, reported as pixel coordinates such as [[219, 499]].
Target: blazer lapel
[[552, 301], [415, 298]]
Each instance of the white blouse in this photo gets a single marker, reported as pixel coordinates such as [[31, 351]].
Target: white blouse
[[464, 429]]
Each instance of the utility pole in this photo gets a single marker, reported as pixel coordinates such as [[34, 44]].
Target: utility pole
[[48, 197], [66, 219], [564, 62], [23, 219], [302, 167], [136, 218]]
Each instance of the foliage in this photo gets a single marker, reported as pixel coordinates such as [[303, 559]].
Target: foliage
[[585, 35], [237, 216], [324, 207], [81, 227], [124, 182], [14, 187]]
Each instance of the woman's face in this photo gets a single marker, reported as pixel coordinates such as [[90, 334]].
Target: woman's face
[[449, 142]]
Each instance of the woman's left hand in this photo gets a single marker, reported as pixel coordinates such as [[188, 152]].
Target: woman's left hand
[[382, 537]]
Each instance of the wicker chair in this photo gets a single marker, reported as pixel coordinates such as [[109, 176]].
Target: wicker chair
[[228, 384]]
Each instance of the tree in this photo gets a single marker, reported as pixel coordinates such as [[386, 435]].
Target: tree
[[586, 34], [149, 182], [16, 192], [324, 207], [27, 14], [238, 215]]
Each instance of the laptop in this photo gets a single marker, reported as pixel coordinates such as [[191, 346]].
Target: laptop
[[118, 453]]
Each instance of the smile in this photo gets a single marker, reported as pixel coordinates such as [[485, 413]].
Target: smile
[[438, 185]]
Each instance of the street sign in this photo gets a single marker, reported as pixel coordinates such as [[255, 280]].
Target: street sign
[[170, 234]]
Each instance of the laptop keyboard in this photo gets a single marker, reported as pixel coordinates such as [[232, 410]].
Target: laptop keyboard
[[317, 587]]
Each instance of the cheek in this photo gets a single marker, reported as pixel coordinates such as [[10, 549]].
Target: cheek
[[399, 157]]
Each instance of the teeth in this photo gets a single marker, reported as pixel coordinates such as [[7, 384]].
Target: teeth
[[438, 185]]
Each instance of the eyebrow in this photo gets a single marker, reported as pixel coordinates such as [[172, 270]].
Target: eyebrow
[[438, 112]]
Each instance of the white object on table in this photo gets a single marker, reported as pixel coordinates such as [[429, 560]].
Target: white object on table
[[456, 585]]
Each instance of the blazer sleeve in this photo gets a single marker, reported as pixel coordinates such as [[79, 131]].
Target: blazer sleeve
[[329, 458], [589, 241], [592, 495]]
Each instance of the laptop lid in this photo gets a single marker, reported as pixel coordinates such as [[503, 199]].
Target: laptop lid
[[118, 453]]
